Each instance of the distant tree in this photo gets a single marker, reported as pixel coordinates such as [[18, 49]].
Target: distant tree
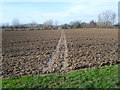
[[15, 22], [113, 18], [106, 18], [92, 24], [33, 24], [48, 22], [5, 24], [56, 22], [83, 24], [75, 24], [65, 26]]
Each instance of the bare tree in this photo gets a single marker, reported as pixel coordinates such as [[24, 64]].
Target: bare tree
[[5, 24], [15, 22], [75, 24], [113, 18], [33, 24], [49, 22], [56, 22], [106, 18]]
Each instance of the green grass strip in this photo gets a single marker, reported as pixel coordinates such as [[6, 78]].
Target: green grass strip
[[104, 77]]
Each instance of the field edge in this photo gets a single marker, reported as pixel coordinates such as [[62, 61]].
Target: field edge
[[103, 77]]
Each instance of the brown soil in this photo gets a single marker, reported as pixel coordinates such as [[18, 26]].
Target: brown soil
[[51, 51]]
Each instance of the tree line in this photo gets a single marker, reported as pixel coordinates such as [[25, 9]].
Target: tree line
[[106, 19]]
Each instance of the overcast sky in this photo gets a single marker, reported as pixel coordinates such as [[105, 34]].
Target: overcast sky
[[63, 11]]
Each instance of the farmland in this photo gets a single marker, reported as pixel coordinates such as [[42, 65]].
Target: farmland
[[55, 51], [27, 52], [92, 48]]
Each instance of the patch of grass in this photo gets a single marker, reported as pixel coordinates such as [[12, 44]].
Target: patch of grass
[[104, 77]]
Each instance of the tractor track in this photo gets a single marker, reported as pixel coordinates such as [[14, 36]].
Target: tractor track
[[58, 61]]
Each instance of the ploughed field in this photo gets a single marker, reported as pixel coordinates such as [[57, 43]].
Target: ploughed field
[[41, 52], [27, 52], [92, 48]]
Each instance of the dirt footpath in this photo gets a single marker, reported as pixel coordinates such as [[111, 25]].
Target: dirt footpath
[[58, 61]]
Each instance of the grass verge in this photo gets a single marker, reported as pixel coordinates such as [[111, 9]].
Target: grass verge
[[104, 77]]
